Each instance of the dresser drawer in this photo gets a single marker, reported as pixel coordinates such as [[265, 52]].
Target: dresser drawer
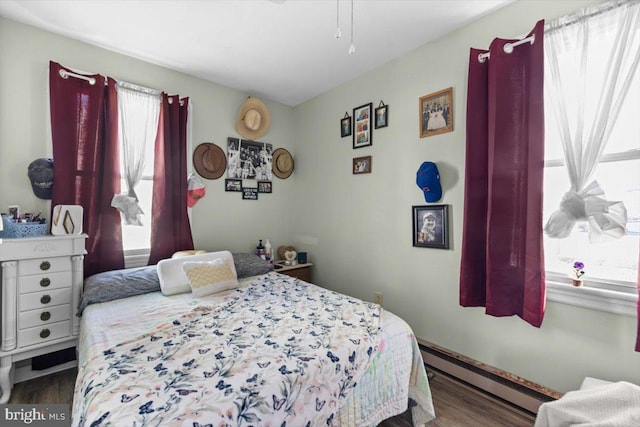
[[44, 333], [44, 316], [43, 265], [36, 300], [43, 282]]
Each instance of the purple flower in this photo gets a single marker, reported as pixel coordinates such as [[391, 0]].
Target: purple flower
[[578, 269]]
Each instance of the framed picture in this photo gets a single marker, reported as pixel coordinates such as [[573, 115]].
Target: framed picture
[[382, 116], [431, 226], [231, 184], [345, 125], [249, 193], [362, 126], [14, 212], [362, 165], [264, 187], [248, 159], [436, 113]]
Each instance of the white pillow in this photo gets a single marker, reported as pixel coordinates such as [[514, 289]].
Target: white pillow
[[173, 279], [208, 278]]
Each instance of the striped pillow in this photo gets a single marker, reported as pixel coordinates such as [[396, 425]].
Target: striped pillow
[[208, 278]]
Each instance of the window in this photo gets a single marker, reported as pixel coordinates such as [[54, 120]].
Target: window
[[613, 265], [138, 116]]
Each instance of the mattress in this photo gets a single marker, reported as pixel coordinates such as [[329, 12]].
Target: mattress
[[394, 376]]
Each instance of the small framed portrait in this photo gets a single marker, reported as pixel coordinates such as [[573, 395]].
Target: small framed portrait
[[436, 113], [431, 226], [345, 125], [250, 193], [232, 184], [264, 187], [14, 212], [362, 136], [382, 116], [361, 165]]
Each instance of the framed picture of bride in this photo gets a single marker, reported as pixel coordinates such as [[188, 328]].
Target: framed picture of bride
[[436, 113]]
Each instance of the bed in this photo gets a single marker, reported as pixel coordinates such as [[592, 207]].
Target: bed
[[267, 350]]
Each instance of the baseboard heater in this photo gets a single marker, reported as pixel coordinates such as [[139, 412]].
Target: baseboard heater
[[514, 390]]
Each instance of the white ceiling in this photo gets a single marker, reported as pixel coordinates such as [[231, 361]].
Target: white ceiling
[[283, 50]]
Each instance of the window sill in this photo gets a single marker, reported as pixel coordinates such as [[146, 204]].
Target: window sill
[[593, 298], [136, 258]]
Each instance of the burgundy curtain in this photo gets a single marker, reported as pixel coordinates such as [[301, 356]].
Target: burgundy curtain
[[502, 265], [84, 127], [170, 230]]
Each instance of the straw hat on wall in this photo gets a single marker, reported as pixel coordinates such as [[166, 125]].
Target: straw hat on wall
[[253, 119], [282, 163]]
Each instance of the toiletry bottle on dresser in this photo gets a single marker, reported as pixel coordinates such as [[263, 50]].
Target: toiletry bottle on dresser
[[268, 253], [260, 250]]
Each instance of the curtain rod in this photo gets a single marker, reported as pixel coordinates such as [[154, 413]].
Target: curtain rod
[[508, 48], [572, 20], [137, 88], [123, 85], [577, 17], [66, 74]]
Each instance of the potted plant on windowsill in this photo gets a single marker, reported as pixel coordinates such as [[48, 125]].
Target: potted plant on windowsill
[[578, 272]]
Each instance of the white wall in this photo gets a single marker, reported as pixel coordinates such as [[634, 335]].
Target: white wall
[[222, 220], [358, 228]]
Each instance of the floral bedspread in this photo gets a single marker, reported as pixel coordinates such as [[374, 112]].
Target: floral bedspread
[[280, 352]]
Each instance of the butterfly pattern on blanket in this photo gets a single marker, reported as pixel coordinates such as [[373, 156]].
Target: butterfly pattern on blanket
[[279, 352]]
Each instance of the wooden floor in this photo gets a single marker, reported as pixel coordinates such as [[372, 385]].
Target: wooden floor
[[456, 405]]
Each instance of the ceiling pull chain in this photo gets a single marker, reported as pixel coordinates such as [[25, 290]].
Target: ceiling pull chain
[[352, 48]]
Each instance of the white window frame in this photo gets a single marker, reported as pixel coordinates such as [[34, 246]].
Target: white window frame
[[138, 257], [611, 296]]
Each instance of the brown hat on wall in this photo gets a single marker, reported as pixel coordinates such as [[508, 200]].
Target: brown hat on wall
[[282, 163], [209, 160], [253, 119]]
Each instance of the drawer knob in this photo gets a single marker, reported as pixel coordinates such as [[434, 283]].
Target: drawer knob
[[45, 315], [45, 333], [45, 281], [46, 299], [45, 265]]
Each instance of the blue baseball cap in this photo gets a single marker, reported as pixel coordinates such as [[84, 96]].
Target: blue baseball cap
[[428, 180]]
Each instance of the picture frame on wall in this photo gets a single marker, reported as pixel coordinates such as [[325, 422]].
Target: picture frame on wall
[[436, 113], [231, 184], [249, 159], [345, 125], [264, 187], [382, 116], [362, 135], [249, 193], [361, 165], [431, 226]]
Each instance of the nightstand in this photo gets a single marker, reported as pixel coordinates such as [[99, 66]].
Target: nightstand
[[300, 271], [42, 281]]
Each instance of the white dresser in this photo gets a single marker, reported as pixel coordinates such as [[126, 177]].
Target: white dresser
[[41, 287]]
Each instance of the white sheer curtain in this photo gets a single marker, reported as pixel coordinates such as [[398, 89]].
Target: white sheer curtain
[[586, 95], [138, 116]]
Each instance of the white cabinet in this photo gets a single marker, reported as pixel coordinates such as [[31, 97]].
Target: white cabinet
[[41, 287]]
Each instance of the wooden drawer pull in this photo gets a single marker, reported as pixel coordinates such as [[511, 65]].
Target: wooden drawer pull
[[45, 315], [45, 333], [46, 299], [45, 281], [45, 265]]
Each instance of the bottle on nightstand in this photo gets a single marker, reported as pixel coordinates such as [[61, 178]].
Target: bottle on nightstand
[[268, 253], [260, 251]]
